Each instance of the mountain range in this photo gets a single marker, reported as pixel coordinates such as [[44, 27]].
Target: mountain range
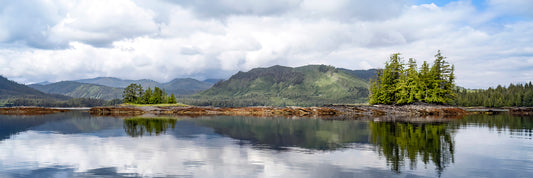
[[282, 86], [10, 90], [273, 86], [80, 90], [111, 88]]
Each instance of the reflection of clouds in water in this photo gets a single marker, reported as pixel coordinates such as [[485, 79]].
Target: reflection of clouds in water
[[166, 155]]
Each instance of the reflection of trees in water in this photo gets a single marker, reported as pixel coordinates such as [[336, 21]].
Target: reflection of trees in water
[[278, 133], [137, 127], [401, 141], [517, 125]]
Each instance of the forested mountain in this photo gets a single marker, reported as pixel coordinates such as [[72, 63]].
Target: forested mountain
[[285, 86], [362, 74], [80, 90], [184, 86], [118, 83], [212, 80], [10, 89], [180, 86]]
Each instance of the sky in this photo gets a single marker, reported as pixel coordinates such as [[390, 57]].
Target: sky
[[490, 42]]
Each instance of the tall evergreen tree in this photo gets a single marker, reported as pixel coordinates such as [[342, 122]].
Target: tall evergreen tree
[[172, 99], [425, 82], [397, 85], [156, 96], [146, 97], [132, 93], [412, 81]]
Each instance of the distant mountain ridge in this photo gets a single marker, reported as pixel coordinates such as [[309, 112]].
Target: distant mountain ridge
[[10, 89], [281, 86], [80, 90], [178, 86], [117, 82], [362, 74], [111, 88]]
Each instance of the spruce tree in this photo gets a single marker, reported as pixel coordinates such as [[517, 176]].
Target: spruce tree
[[398, 85], [172, 99], [146, 97], [412, 81], [425, 82], [132, 93]]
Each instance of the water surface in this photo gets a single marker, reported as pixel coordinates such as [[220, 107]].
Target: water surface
[[76, 144]]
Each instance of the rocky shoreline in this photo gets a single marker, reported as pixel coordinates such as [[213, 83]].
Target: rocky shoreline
[[30, 110], [336, 111], [380, 112]]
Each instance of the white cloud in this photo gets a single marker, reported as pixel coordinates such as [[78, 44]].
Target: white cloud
[[512, 7], [162, 40], [167, 155]]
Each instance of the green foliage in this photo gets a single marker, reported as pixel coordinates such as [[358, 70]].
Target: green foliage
[[132, 93], [399, 85], [513, 95], [135, 94], [284, 86], [172, 99]]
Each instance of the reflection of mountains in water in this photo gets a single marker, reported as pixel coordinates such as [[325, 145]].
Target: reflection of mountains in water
[[397, 142], [65, 123], [280, 133]]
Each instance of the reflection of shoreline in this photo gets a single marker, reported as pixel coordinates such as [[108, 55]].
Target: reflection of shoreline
[[138, 126]]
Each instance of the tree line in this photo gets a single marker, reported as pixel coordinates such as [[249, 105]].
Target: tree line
[[513, 95], [400, 83], [135, 93]]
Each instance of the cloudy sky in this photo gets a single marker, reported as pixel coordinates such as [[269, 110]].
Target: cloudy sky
[[489, 41]]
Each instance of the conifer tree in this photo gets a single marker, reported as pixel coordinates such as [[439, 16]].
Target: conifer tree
[[425, 81], [412, 81], [397, 85], [146, 97], [132, 93], [172, 99], [156, 96]]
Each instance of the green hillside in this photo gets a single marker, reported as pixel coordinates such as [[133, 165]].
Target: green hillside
[[362, 74], [10, 89], [81, 90], [118, 83], [185, 86], [310, 85], [180, 86]]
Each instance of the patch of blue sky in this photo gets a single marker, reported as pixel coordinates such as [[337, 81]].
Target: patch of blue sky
[[479, 4]]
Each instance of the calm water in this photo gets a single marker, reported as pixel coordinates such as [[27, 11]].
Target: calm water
[[78, 145]]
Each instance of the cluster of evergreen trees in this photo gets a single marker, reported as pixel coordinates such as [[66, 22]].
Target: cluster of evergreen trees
[[514, 95], [135, 93], [401, 83]]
